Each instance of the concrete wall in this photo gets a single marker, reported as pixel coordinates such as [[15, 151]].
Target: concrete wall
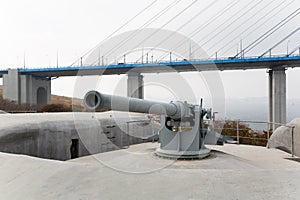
[[135, 85], [50, 135], [36, 84], [11, 85], [24, 88], [277, 96]]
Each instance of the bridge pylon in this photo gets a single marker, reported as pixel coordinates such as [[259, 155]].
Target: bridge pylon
[[26, 89], [277, 96], [135, 85]]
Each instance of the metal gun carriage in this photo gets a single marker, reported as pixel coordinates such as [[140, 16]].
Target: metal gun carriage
[[175, 116]]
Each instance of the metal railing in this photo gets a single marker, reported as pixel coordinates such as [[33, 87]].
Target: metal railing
[[240, 126]]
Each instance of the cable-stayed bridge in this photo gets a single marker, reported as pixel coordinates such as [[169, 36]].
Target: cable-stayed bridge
[[33, 85], [171, 66]]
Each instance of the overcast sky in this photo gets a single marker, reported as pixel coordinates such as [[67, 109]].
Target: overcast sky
[[41, 30]]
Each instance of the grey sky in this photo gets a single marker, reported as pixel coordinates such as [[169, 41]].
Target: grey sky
[[40, 29]]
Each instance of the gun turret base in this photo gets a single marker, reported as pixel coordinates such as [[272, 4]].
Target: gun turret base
[[171, 154]]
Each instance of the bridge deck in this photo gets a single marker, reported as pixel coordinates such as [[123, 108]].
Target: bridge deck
[[181, 66]]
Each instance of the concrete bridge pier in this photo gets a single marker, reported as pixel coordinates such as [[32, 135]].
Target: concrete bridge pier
[[135, 85], [277, 96], [26, 88]]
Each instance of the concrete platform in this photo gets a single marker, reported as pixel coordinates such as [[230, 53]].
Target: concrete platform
[[231, 172]]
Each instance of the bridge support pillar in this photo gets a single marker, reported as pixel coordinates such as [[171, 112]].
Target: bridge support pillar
[[26, 89], [135, 85], [277, 96]]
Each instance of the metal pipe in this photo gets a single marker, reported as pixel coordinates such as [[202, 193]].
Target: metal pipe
[[94, 100]]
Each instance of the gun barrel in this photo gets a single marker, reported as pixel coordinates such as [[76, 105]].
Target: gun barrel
[[94, 100]]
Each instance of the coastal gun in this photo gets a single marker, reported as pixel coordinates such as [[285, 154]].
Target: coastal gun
[[182, 132]]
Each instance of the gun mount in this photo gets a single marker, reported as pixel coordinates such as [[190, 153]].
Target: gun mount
[[175, 118]]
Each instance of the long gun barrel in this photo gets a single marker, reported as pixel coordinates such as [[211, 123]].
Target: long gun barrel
[[96, 101], [174, 116]]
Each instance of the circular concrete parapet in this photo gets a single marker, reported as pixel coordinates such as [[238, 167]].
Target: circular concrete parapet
[[171, 154]]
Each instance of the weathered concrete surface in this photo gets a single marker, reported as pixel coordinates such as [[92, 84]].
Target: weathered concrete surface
[[278, 96], [26, 88], [50, 135], [232, 172], [282, 137], [135, 85]]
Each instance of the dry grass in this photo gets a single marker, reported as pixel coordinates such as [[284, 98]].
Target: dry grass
[[55, 99]]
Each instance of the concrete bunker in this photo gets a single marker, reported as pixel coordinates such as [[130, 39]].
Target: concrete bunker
[[287, 138], [74, 149], [59, 136]]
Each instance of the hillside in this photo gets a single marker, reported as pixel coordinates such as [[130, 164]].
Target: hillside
[[55, 99], [253, 109]]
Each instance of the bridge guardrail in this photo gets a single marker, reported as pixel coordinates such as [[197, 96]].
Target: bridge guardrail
[[167, 61]]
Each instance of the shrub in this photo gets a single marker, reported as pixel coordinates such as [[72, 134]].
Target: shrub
[[56, 108]]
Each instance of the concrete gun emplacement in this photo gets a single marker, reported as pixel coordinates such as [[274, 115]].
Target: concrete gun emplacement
[[174, 116]]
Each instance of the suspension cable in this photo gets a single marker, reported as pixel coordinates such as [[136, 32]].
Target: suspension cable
[[155, 17], [239, 25], [204, 25], [226, 27], [256, 23], [293, 51], [182, 11], [185, 24], [278, 43], [118, 29], [236, 19], [269, 32]]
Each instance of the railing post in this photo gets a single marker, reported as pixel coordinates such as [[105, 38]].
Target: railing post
[[268, 135], [293, 150], [237, 132]]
